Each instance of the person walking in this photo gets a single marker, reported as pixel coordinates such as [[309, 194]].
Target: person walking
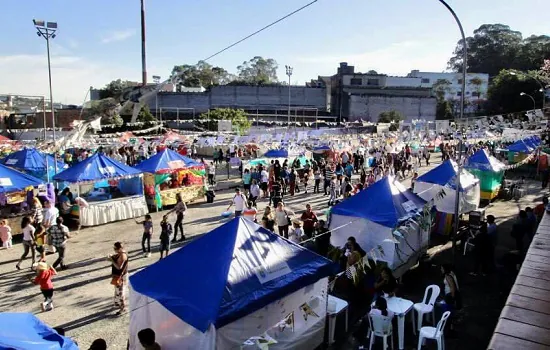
[[211, 173], [43, 278], [282, 219], [59, 234], [147, 233], [180, 208], [119, 275], [309, 219], [239, 201], [28, 242]]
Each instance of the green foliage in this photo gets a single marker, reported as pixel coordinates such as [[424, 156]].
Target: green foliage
[[108, 110], [145, 115], [495, 47], [201, 74], [504, 93], [115, 88], [444, 110], [258, 71], [237, 117], [440, 88], [392, 116]]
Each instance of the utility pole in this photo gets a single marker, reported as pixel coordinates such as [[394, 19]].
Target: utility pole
[[289, 73], [143, 56]]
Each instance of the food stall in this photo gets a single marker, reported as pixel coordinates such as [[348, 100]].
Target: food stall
[[168, 173], [488, 170], [113, 191], [33, 162], [16, 191]]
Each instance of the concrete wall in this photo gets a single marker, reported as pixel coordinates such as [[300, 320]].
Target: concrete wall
[[369, 107], [245, 97]]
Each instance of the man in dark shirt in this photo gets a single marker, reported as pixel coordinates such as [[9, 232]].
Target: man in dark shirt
[[322, 238]]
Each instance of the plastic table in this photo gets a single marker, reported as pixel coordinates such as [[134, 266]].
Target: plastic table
[[400, 307], [341, 305]]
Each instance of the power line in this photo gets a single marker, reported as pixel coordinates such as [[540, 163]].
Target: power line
[[260, 30]]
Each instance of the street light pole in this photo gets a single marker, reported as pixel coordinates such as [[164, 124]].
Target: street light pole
[[531, 97], [462, 97], [542, 89], [289, 73], [47, 31]]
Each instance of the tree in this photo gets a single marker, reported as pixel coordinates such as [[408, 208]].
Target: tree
[[444, 110], [392, 116], [441, 88], [238, 118], [201, 74], [108, 110], [145, 115], [258, 71], [115, 88], [372, 72], [504, 93], [495, 47]]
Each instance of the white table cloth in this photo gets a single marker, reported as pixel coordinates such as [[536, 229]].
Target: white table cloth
[[339, 306], [98, 213], [400, 307]]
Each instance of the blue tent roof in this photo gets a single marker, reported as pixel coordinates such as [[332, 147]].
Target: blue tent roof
[[382, 203], [95, 168], [167, 160], [321, 148], [445, 175], [26, 331], [526, 145], [228, 273], [276, 153], [30, 159], [481, 160], [12, 180]]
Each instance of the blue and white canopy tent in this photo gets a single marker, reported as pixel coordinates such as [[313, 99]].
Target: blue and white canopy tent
[[33, 162], [94, 177], [488, 170], [373, 217], [235, 282], [439, 185], [13, 181], [26, 331]]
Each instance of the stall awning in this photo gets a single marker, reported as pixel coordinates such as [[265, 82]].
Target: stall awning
[[166, 161], [12, 180], [481, 160], [276, 153], [387, 202], [234, 270], [30, 159], [445, 175], [95, 168]]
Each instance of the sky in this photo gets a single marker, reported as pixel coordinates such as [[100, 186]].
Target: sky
[[99, 41]]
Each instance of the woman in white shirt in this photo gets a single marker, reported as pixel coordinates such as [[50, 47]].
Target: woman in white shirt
[[254, 192], [381, 308], [296, 233], [28, 241], [282, 219]]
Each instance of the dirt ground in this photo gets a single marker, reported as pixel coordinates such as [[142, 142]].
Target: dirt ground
[[84, 298]]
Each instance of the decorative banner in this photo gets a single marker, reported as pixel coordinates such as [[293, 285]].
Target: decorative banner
[[308, 311]]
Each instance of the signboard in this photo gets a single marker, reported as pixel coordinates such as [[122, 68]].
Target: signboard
[[108, 170], [176, 164], [11, 162], [225, 126]]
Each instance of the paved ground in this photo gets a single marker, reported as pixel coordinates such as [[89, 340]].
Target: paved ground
[[83, 298]]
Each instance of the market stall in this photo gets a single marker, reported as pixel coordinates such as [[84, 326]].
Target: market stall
[[488, 170], [439, 185], [385, 219], [260, 288], [34, 162], [16, 191], [113, 191], [521, 149], [167, 174]]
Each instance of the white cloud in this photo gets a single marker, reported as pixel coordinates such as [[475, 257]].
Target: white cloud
[[72, 76], [118, 35], [395, 59]]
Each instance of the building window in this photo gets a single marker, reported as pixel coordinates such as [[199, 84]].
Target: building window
[[356, 81], [372, 82], [425, 81], [459, 93], [460, 81], [476, 94]]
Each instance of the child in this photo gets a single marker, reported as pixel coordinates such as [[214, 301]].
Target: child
[[5, 234], [147, 339], [44, 274], [165, 233], [40, 240], [147, 233]]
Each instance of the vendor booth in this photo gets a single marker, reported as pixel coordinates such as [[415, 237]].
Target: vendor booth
[[439, 185], [113, 191], [488, 170], [250, 288], [168, 173], [33, 162], [386, 219], [521, 149], [16, 192], [26, 331]]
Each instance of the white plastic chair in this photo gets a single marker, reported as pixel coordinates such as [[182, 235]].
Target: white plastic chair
[[435, 333], [426, 307], [381, 326]]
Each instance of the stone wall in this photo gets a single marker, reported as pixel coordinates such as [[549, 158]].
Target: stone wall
[[369, 107]]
